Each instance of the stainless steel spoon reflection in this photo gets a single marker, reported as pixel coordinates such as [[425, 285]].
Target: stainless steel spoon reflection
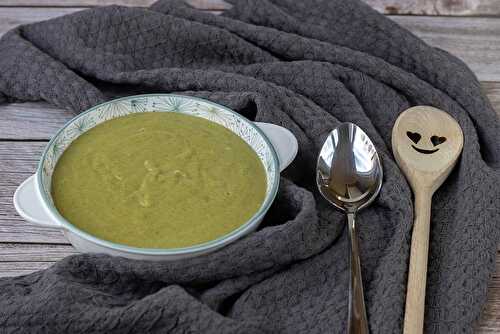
[[349, 175]]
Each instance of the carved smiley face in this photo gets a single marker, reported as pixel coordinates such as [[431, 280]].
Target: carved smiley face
[[434, 139], [426, 138]]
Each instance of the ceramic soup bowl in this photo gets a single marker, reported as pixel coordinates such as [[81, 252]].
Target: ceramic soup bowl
[[275, 146]]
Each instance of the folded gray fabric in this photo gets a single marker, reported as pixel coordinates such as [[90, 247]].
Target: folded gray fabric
[[305, 65]]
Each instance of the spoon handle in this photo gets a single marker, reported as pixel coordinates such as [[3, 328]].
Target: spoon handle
[[417, 273], [357, 323]]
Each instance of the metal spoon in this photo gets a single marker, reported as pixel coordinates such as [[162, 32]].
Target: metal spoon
[[349, 175]]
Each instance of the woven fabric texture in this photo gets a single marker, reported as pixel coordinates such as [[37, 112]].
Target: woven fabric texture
[[305, 65]]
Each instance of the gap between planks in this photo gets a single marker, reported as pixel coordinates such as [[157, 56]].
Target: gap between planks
[[10, 269]]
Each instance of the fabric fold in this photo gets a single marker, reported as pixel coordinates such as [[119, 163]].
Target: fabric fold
[[307, 66]]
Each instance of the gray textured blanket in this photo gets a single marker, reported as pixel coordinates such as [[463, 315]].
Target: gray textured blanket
[[306, 65]]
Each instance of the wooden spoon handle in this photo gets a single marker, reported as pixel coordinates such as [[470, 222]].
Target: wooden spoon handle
[[417, 274]]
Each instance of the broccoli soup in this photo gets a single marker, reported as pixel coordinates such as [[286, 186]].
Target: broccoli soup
[[158, 180]]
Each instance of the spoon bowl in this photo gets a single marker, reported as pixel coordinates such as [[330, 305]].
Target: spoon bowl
[[349, 176], [349, 173]]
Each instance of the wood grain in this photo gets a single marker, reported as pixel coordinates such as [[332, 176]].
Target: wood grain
[[474, 40], [437, 7], [8, 269], [490, 317], [14, 229], [34, 253], [12, 17], [31, 120], [425, 174], [18, 160], [492, 91]]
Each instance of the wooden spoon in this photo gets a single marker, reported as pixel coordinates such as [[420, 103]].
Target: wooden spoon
[[426, 143]]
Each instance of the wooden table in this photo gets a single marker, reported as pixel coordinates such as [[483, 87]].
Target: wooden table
[[466, 28]]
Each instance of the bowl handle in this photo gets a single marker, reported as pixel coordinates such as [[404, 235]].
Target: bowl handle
[[29, 205], [284, 142]]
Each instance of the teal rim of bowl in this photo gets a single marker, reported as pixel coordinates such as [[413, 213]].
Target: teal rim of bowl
[[231, 236]]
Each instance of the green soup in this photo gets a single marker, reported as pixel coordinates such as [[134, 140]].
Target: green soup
[[158, 180]]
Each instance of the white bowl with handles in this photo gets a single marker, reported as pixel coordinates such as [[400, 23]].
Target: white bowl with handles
[[275, 146]]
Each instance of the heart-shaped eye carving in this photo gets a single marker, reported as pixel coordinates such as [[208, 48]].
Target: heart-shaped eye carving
[[414, 136], [437, 140]]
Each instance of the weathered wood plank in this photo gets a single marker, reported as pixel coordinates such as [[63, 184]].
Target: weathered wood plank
[[15, 229], [34, 252], [8, 269], [437, 7], [31, 120], [18, 160], [489, 322], [12, 17], [474, 40], [492, 90]]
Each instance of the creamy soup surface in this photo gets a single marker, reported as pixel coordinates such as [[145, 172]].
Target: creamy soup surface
[[158, 180]]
